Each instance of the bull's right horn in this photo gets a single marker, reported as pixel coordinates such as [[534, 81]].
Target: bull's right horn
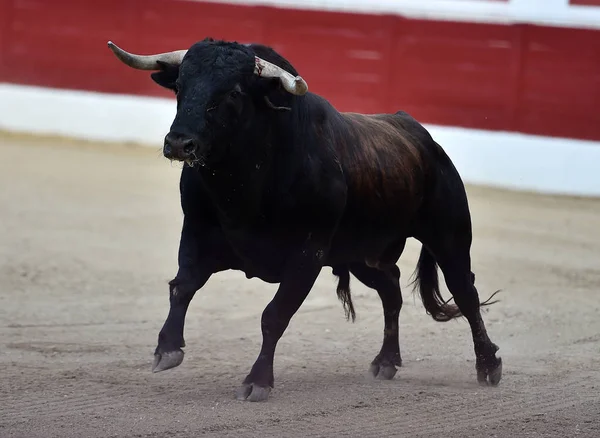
[[147, 62], [292, 84]]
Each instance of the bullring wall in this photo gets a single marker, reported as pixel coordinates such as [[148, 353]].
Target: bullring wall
[[511, 89]]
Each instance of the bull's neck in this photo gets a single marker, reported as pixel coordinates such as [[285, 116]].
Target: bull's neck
[[238, 183]]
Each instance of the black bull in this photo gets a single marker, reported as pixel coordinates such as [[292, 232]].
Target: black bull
[[278, 184]]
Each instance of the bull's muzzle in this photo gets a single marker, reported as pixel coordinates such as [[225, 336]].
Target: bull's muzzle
[[179, 147]]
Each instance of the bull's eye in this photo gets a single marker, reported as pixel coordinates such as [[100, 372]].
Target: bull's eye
[[234, 93]]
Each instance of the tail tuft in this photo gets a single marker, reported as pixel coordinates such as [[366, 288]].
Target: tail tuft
[[488, 302], [343, 291], [426, 280]]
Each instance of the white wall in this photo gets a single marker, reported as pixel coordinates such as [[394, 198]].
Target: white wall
[[543, 12], [511, 160]]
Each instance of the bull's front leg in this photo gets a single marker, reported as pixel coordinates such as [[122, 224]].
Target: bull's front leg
[[168, 353], [197, 262], [300, 274]]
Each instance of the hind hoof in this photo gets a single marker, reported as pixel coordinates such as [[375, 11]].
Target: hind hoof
[[490, 375], [168, 360], [253, 393], [383, 372], [384, 365]]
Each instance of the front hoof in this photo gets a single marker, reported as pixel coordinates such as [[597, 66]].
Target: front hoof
[[166, 360], [252, 392], [490, 375], [383, 371]]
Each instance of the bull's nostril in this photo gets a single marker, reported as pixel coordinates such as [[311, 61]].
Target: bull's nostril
[[189, 147], [167, 149]]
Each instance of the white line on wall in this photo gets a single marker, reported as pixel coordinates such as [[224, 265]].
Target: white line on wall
[[502, 159], [542, 12]]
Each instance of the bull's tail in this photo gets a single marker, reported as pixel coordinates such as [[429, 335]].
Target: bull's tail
[[343, 291], [426, 279]]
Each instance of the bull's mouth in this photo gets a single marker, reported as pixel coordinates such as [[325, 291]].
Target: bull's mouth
[[192, 161], [191, 158], [195, 162]]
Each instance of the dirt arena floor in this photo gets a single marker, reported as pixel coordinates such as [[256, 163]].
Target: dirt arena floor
[[88, 242]]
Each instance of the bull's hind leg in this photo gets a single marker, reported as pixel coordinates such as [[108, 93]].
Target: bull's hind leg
[[453, 257], [387, 284]]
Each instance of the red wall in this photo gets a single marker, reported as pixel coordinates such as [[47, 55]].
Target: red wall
[[585, 2], [527, 78]]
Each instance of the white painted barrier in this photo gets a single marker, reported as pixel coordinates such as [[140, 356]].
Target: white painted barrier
[[501, 159], [542, 12]]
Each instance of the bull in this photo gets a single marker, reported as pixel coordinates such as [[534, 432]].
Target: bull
[[278, 184]]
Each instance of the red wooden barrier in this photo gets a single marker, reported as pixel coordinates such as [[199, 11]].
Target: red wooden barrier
[[560, 83], [346, 57], [5, 20], [534, 79], [459, 74], [585, 2]]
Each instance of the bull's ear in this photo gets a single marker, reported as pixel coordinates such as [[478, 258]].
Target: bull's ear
[[166, 76], [265, 86]]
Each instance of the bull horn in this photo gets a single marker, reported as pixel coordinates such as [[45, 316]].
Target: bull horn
[[147, 62], [292, 84]]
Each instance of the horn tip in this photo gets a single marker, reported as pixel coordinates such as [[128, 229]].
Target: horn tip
[[301, 85], [112, 46]]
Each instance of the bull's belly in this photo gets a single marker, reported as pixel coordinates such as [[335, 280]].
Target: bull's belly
[[370, 246], [269, 265], [265, 254]]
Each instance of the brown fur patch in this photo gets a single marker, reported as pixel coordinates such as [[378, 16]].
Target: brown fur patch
[[380, 159]]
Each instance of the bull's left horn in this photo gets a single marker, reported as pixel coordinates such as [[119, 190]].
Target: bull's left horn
[[292, 84], [147, 62]]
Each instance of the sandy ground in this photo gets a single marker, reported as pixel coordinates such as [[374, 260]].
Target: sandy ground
[[88, 242]]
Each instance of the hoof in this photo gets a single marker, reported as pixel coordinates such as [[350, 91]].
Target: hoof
[[167, 360], [383, 371], [490, 375], [253, 393]]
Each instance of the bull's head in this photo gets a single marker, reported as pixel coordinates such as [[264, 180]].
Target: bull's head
[[219, 87]]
